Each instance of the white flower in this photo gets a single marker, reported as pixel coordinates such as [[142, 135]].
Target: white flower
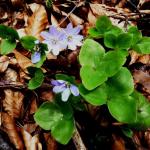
[[73, 39], [54, 39]]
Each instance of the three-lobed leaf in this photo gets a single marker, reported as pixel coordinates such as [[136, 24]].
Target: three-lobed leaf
[[98, 96], [123, 108], [120, 41], [103, 24], [143, 46]]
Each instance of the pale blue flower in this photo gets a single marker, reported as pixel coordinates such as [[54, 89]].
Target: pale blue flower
[[65, 88], [35, 57], [54, 39], [73, 39]]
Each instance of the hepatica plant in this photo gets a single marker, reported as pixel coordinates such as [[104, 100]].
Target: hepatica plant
[[105, 79]]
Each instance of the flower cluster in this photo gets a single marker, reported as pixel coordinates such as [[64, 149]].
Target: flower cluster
[[58, 39], [65, 88]]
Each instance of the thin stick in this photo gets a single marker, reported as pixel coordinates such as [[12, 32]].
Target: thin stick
[[78, 141]]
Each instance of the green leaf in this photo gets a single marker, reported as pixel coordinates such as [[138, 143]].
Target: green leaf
[[103, 24], [110, 40], [7, 46], [142, 110], [143, 46], [37, 79], [28, 42], [63, 131], [136, 34], [113, 61], [93, 32], [8, 33], [114, 30], [48, 115], [123, 108], [121, 83], [65, 108], [124, 41], [93, 50], [96, 97], [92, 77], [42, 60]]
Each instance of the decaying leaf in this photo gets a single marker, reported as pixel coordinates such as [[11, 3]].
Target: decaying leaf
[[136, 57], [30, 127], [142, 78], [75, 19], [47, 95], [101, 9], [31, 143], [11, 129], [118, 143], [33, 106], [23, 61], [13, 103], [37, 22], [50, 142], [4, 62], [11, 75]]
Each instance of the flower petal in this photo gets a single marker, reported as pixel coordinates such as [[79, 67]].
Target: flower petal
[[65, 95], [74, 90], [35, 57], [59, 88], [45, 35], [55, 82]]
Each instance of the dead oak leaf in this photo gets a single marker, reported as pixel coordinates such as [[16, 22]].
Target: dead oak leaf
[[4, 62], [13, 103], [31, 143], [11, 129], [23, 61], [37, 22]]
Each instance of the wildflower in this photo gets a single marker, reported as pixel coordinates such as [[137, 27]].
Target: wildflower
[[65, 88], [54, 39], [35, 57], [73, 38]]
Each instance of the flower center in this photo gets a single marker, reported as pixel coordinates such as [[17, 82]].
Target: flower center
[[54, 41], [70, 38]]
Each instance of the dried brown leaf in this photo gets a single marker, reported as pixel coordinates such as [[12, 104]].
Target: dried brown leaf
[[11, 75], [33, 106], [143, 78], [31, 143], [23, 61], [37, 22], [11, 129], [118, 143], [136, 57], [101, 9], [75, 19], [50, 142], [13, 103], [47, 96], [30, 127], [4, 62]]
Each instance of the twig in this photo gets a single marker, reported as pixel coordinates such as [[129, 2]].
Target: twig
[[78, 141]]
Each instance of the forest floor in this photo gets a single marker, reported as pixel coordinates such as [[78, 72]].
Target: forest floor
[[18, 104]]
